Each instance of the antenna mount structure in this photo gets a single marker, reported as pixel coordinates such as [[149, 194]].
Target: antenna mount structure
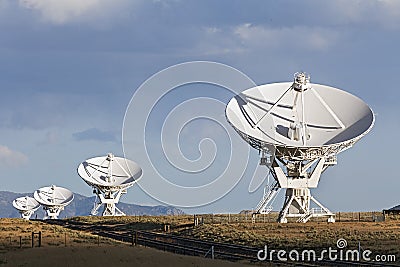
[[300, 128], [26, 206], [53, 199], [110, 177]]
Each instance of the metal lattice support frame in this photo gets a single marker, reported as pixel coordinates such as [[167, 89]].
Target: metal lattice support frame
[[52, 212], [297, 178], [109, 199], [26, 214]]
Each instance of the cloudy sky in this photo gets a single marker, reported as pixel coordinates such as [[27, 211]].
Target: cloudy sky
[[69, 69]]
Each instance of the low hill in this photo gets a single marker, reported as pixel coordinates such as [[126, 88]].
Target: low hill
[[81, 206]]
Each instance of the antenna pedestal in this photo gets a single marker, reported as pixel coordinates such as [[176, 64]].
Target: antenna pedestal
[[297, 205], [109, 199], [52, 212], [297, 177], [26, 214]]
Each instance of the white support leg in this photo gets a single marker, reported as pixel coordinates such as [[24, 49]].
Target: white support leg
[[109, 200], [96, 208], [326, 211], [270, 192], [52, 212], [26, 214], [298, 178], [285, 208], [297, 204]]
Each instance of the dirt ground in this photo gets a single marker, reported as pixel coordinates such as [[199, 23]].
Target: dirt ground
[[102, 256]]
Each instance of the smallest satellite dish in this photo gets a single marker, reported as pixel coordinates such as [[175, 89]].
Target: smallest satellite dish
[[26, 206], [53, 199]]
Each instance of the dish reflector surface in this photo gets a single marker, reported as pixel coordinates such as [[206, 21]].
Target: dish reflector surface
[[53, 196], [332, 116], [109, 171], [25, 203]]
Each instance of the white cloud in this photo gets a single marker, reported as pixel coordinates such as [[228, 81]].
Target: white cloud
[[95, 134], [302, 37], [247, 37], [385, 13], [64, 11], [50, 138], [11, 158], [213, 41], [332, 24]]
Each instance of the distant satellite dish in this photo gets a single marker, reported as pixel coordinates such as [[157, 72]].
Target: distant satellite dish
[[110, 177], [53, 199], [311, 124], [26, 206]]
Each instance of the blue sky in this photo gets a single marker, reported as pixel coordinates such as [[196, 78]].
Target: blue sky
[[69, 69]]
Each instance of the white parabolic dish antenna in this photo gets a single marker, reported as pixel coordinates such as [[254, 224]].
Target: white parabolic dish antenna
[[26, 206], [110, 177], [53, 199], [312, 123]]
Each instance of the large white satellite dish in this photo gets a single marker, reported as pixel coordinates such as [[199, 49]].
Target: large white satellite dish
[[26, 206], [53, 199], [312, 123], [110, 177]]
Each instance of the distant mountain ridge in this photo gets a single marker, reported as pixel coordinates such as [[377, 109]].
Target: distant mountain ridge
[[81, 206], [395, 208]]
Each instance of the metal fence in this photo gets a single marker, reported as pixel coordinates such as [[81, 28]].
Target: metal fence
[[43, 239], [273, 217]]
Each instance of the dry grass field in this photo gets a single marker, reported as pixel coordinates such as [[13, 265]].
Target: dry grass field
[[137, 222], [380, 237], [76, 248], [12, 231], [383, 237], [64, 247]]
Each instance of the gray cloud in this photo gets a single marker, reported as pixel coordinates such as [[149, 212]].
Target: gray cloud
[[67, 11], [11, 158], [94, 134]]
